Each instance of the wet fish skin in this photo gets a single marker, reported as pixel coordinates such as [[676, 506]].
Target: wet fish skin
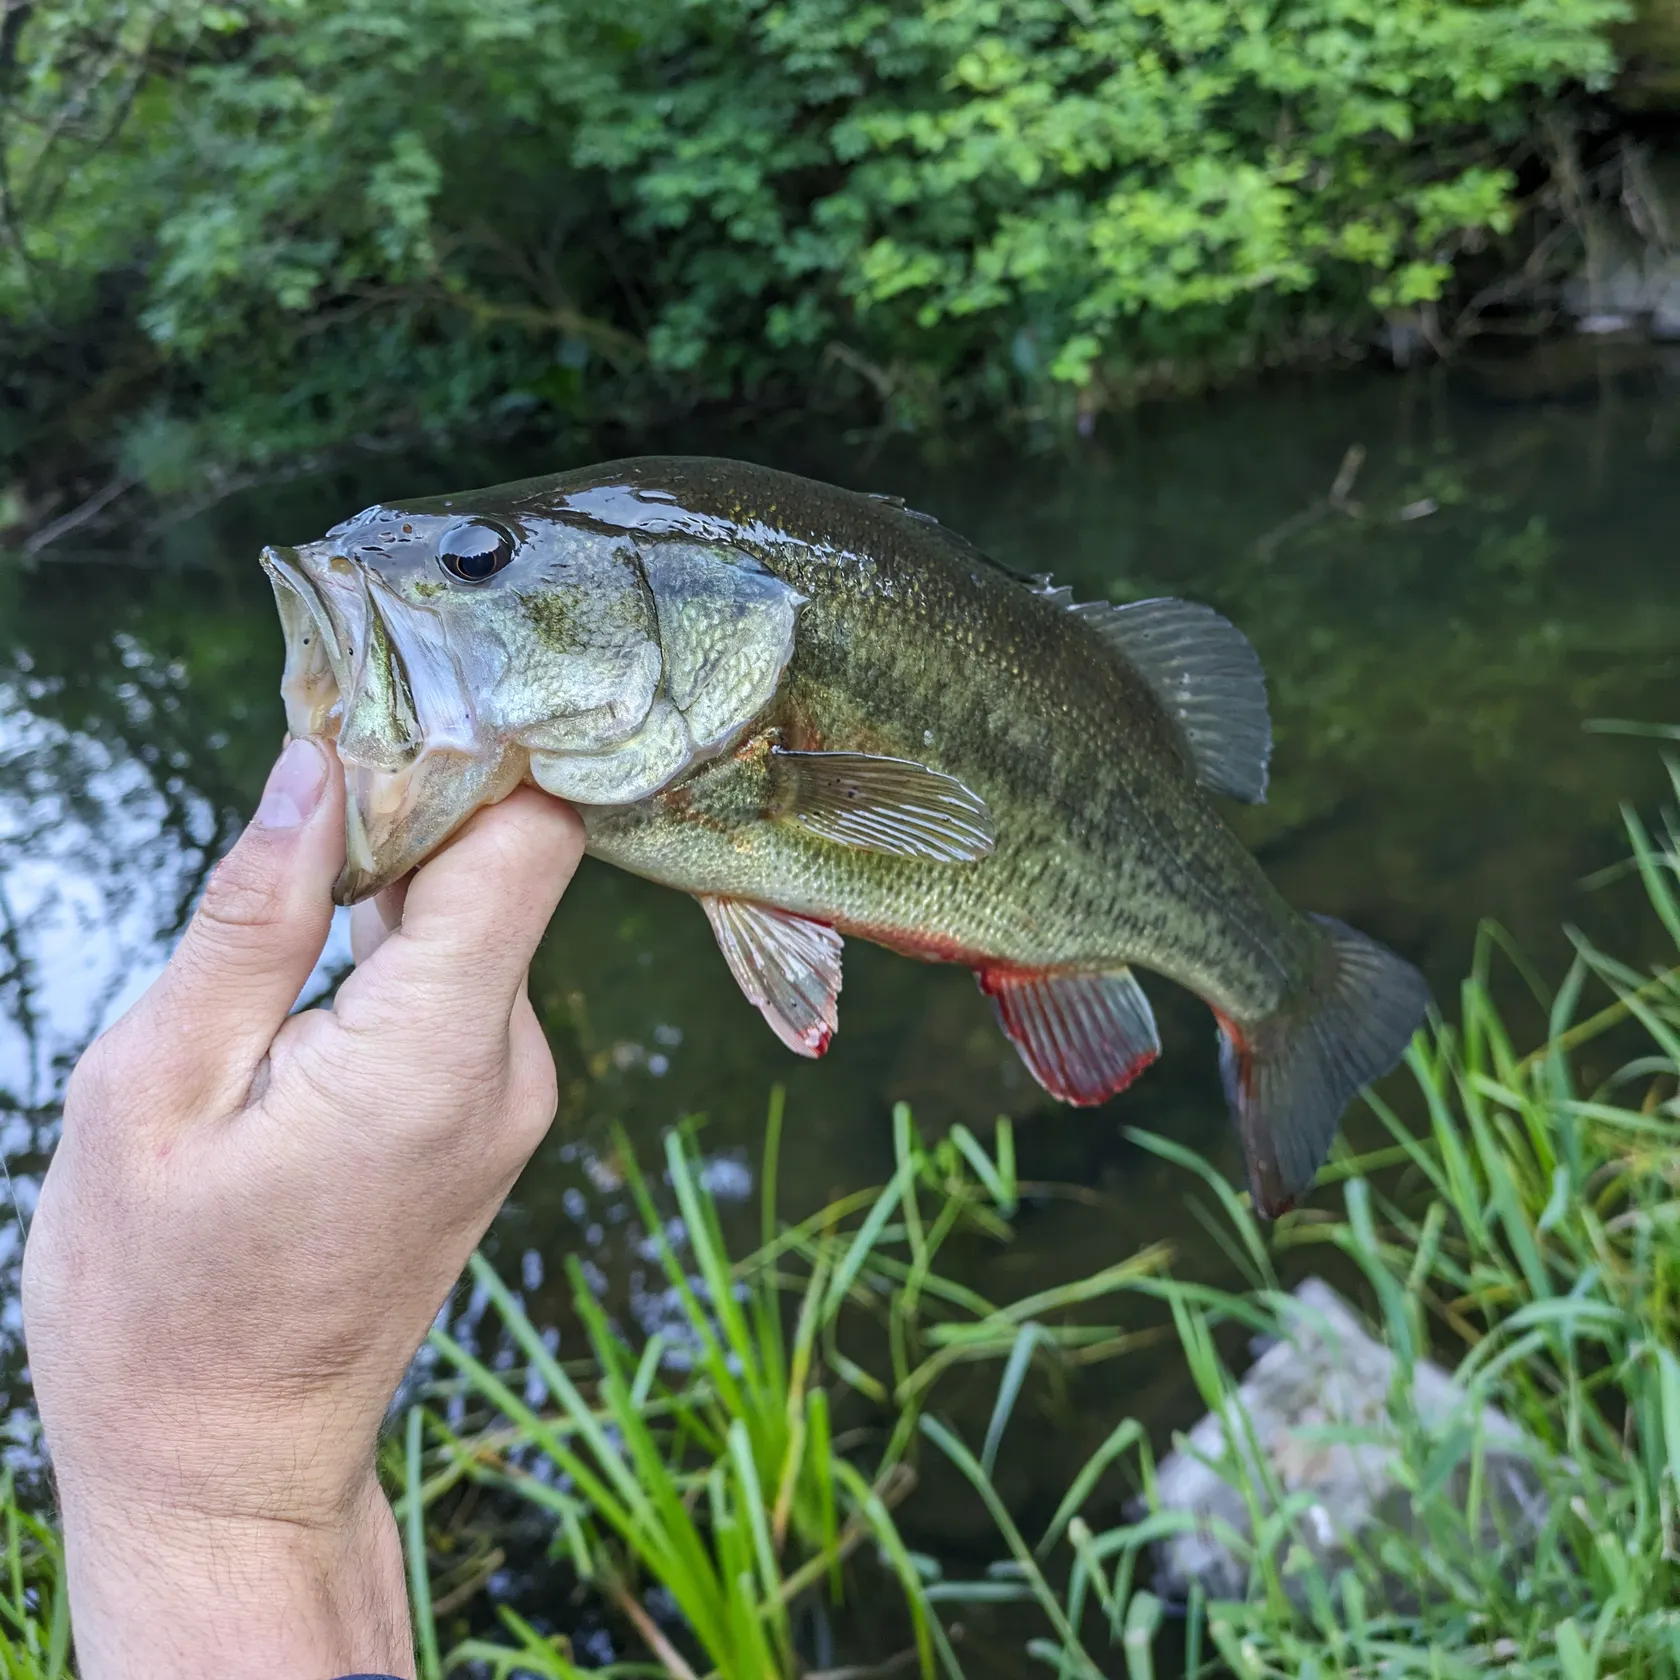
[[915, 645], [906, 644]]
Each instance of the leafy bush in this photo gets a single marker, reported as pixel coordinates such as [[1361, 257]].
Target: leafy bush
[[314, 222]]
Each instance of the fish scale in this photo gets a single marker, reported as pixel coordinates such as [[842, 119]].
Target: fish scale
[[905, 742], [1133, 863]]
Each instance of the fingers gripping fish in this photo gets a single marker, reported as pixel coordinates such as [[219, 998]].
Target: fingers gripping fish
[[825, 715]]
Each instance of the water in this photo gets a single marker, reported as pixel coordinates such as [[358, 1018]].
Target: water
[[1499, 570]]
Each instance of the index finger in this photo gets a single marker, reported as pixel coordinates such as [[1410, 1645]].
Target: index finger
[[471, 921]]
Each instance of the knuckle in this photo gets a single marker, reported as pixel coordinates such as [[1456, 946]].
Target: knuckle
[[527, 1111], [538, 1099], [241, 895]]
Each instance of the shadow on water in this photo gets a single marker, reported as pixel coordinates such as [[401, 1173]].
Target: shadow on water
[[1440, 609]]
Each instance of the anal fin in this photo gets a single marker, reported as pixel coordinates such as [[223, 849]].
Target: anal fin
[[1084, 1037], [788, 965]]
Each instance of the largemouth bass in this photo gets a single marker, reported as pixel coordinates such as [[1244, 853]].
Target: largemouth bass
[[824, 714]]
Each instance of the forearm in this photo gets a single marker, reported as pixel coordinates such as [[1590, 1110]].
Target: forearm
[[229, 1598]]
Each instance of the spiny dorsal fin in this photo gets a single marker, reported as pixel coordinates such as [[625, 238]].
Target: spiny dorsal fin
[[890, 805], [1084, 1037], [1202, 669], [788, 965], [1058, 595], [902, 506]]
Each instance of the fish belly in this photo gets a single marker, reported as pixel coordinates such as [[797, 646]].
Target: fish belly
[[1040, 903]]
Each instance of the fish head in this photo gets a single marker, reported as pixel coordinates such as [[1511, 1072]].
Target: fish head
[[457, 646], [440, 650]]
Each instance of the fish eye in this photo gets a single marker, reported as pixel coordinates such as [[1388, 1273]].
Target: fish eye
[[475, 550]]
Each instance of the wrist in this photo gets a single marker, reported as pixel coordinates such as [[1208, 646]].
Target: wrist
[[156, 1589]]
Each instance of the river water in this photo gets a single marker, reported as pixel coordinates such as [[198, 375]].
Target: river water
[[1498, 570]]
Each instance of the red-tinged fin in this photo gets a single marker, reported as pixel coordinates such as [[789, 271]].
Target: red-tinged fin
[[1084, 1037], [891, 805], [788, 965], [1289, 1077]]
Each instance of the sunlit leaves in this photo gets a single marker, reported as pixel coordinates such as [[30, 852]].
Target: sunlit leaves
[[286, 198]]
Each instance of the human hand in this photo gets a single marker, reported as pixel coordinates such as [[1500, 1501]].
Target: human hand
[[253, 1218]]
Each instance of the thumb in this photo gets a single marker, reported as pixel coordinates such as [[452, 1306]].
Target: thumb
[[254, 938]]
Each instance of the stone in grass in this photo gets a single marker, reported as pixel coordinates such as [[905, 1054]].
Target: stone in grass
[[1318, 1403]]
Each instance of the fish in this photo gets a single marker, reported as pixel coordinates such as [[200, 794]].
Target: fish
[[826, 715]]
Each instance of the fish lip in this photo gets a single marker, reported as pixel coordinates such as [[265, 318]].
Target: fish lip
[[362, 877], [395, 797], [315, 679], [399, 808]]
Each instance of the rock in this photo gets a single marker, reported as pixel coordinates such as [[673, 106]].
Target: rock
[[1599, 326], [1317, 1402], [1629, 277], [1639, 289]]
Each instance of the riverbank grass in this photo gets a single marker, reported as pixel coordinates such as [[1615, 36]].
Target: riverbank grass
[[1524, 1232], [693, 1477], [707, 1498]]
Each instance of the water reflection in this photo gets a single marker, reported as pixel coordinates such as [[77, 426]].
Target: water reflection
[[104, 848], [1435, 634]]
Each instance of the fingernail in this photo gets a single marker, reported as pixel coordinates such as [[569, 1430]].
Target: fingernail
[[294, 787]]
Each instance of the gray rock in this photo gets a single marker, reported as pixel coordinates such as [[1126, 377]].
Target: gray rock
[[1640, 291], [1318, 1413]]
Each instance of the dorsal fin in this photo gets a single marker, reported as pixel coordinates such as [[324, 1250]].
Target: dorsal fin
[[1202, 669]]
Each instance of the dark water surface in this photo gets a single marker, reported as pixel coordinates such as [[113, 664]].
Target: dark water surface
[[1498, 573]]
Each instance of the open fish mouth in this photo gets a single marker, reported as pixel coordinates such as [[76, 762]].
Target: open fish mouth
[[311, 687], [364, 672]]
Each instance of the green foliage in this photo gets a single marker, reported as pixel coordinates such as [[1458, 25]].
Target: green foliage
[[704, 1460], [318, 221], [34, 1607]]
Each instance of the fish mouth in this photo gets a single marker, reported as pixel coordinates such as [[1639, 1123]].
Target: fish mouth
[[314, 679], [365, 671]]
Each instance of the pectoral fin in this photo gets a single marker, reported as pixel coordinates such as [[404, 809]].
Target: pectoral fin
[[890, 805], [786, 964], [1084, 1037]]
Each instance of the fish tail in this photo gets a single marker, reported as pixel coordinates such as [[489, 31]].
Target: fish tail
[[1289, 1076]]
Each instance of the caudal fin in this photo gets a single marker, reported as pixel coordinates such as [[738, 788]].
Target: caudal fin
[[1289, 1077]]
